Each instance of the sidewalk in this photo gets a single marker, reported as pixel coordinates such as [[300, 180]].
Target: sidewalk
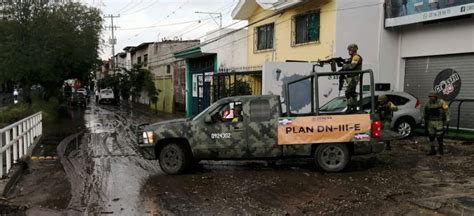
[[156, 115]]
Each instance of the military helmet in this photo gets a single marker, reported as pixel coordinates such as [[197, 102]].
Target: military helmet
[[353, 47], [382, 98], [433, 94]]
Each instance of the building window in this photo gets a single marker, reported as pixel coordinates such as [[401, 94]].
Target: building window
[[265, 37], [306, 28], [168, 68], [139, 60], [145, 60]]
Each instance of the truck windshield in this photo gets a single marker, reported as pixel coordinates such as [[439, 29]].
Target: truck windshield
[[199, 115]]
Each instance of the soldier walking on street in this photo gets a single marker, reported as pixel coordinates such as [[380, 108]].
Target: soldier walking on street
[[385, 109], [435, 117], [353, 64]]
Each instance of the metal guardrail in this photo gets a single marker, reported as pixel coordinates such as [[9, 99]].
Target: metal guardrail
[[16, 138], [461, 101]]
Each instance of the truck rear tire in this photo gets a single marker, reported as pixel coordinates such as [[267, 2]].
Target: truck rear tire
[[174, 158], [332, 157]]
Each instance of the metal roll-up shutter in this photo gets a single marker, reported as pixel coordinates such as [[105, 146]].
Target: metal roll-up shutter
[[420, 73]]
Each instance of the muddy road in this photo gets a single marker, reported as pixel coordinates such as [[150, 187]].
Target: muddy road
[[107, 176]]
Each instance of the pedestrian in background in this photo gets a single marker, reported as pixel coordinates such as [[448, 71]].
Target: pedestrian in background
[[436, 116]]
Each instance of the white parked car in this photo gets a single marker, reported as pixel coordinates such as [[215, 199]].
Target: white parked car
[[106, 95], [404, 120]]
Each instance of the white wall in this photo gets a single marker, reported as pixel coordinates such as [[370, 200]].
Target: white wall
[[383, 50], [362, 22], [438, 39], [273, 84], [231, 50]]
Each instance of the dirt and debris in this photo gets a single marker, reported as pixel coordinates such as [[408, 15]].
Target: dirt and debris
[[403, 181], [107, 176]]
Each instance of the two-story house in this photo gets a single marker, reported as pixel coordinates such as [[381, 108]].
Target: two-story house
[[290, 30], [169, 74]]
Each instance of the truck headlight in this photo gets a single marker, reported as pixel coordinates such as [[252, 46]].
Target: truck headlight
[[148, 137]]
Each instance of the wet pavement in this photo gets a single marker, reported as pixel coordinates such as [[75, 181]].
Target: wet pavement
[[107, 171], [106, 176]]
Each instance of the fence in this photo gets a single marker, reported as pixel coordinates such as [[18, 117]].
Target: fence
[[460, 101], [15, 140]]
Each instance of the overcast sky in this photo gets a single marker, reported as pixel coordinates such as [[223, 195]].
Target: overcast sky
[[152, 20]]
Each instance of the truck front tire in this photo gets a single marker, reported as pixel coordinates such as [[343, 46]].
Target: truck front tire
[[174, 158], [332, 157]]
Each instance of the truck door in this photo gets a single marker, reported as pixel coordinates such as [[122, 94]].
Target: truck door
[[262, 128], [226, 136]]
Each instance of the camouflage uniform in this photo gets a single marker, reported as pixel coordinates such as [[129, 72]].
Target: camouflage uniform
[[435, 116], [385, 110], [353, 64]]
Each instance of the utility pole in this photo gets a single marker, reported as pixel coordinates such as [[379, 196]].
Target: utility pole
[[112, 40], [213, 13]]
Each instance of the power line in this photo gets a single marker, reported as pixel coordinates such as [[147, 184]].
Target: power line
[[191, 28], [121, 9], [142, 9], [164, 25], [169, 15], [133, 6]]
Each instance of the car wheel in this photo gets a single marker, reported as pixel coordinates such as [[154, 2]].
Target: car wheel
[[332, 157], [405, 127], [174, 158]]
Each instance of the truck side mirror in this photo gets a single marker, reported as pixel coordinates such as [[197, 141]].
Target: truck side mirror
[[208, 119]]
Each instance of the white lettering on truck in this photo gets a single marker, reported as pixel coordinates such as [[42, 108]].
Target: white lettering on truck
[[220, 136]]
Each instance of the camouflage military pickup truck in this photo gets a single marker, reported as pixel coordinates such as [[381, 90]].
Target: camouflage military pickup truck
[[254, 127]]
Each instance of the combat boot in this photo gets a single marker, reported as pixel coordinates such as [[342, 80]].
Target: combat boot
[[388, 146], [432, 151], [441, 149]]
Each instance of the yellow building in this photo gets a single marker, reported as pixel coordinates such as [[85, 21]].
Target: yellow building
[[290, 30]]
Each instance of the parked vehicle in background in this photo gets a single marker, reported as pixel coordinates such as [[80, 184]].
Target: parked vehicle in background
[[106, 96], [404, 120], [82, 91], [78, 99]]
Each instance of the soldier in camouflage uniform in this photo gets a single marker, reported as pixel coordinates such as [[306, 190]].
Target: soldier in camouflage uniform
[[435, 116], [385, 109], [353, 64]]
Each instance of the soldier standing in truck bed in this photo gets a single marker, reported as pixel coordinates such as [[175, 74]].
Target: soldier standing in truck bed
[[353, 64]]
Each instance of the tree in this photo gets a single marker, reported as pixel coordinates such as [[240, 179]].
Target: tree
[[132, 83], [141, 80], [48, 42], [236, 88]]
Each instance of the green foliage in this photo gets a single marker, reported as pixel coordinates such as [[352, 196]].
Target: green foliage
[[47, 43], [17, 112], [237, 88], [131, 83]]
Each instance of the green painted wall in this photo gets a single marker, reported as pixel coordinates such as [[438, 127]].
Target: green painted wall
[[165, 97]]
